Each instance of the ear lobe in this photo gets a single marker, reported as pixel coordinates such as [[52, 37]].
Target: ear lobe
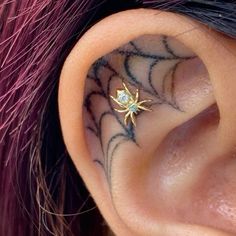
[[154, 172]]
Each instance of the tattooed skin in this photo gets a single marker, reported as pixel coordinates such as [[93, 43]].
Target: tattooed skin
[[149, 64]]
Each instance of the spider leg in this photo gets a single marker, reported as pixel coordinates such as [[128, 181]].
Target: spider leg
[[144, 108], [127, 90], [115, 100], [148, 100], [121, 111], [132, 118], [136, 95], [126, 117]]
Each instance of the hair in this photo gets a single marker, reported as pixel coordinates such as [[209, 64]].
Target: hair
[[41, 192]]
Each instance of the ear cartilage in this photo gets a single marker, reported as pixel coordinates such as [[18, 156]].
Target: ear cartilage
[[129, 103]]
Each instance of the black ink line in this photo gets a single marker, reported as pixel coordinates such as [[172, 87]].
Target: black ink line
[[135, 47], [99, 162], [92, 130], [108, 84], [111, 140], [150, 80], [103, 115], [128, 132], [171, 51], [170, 73], [167, 47], [87, 101], [173, 98], [128, 71], [97, 66], [87, 104], [132, 79]]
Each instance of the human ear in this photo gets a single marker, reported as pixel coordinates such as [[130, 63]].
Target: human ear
[[172, 173]]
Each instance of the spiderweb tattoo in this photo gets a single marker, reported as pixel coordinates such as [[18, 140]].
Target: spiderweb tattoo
[[104, 73]]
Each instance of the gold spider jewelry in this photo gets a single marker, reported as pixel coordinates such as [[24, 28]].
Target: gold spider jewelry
[[129, 102]]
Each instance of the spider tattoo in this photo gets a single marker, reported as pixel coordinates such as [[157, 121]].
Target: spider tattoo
[[130, 104]]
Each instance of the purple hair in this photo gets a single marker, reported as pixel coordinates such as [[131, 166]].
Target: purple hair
[[35, 38], [41, 192]]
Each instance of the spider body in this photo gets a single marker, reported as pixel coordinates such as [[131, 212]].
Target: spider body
[[129, 103]]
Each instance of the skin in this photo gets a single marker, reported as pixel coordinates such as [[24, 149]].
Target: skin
[[110, 71], [173, 174]]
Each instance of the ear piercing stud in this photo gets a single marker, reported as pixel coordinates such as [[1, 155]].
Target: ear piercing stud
[[130, 104]]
